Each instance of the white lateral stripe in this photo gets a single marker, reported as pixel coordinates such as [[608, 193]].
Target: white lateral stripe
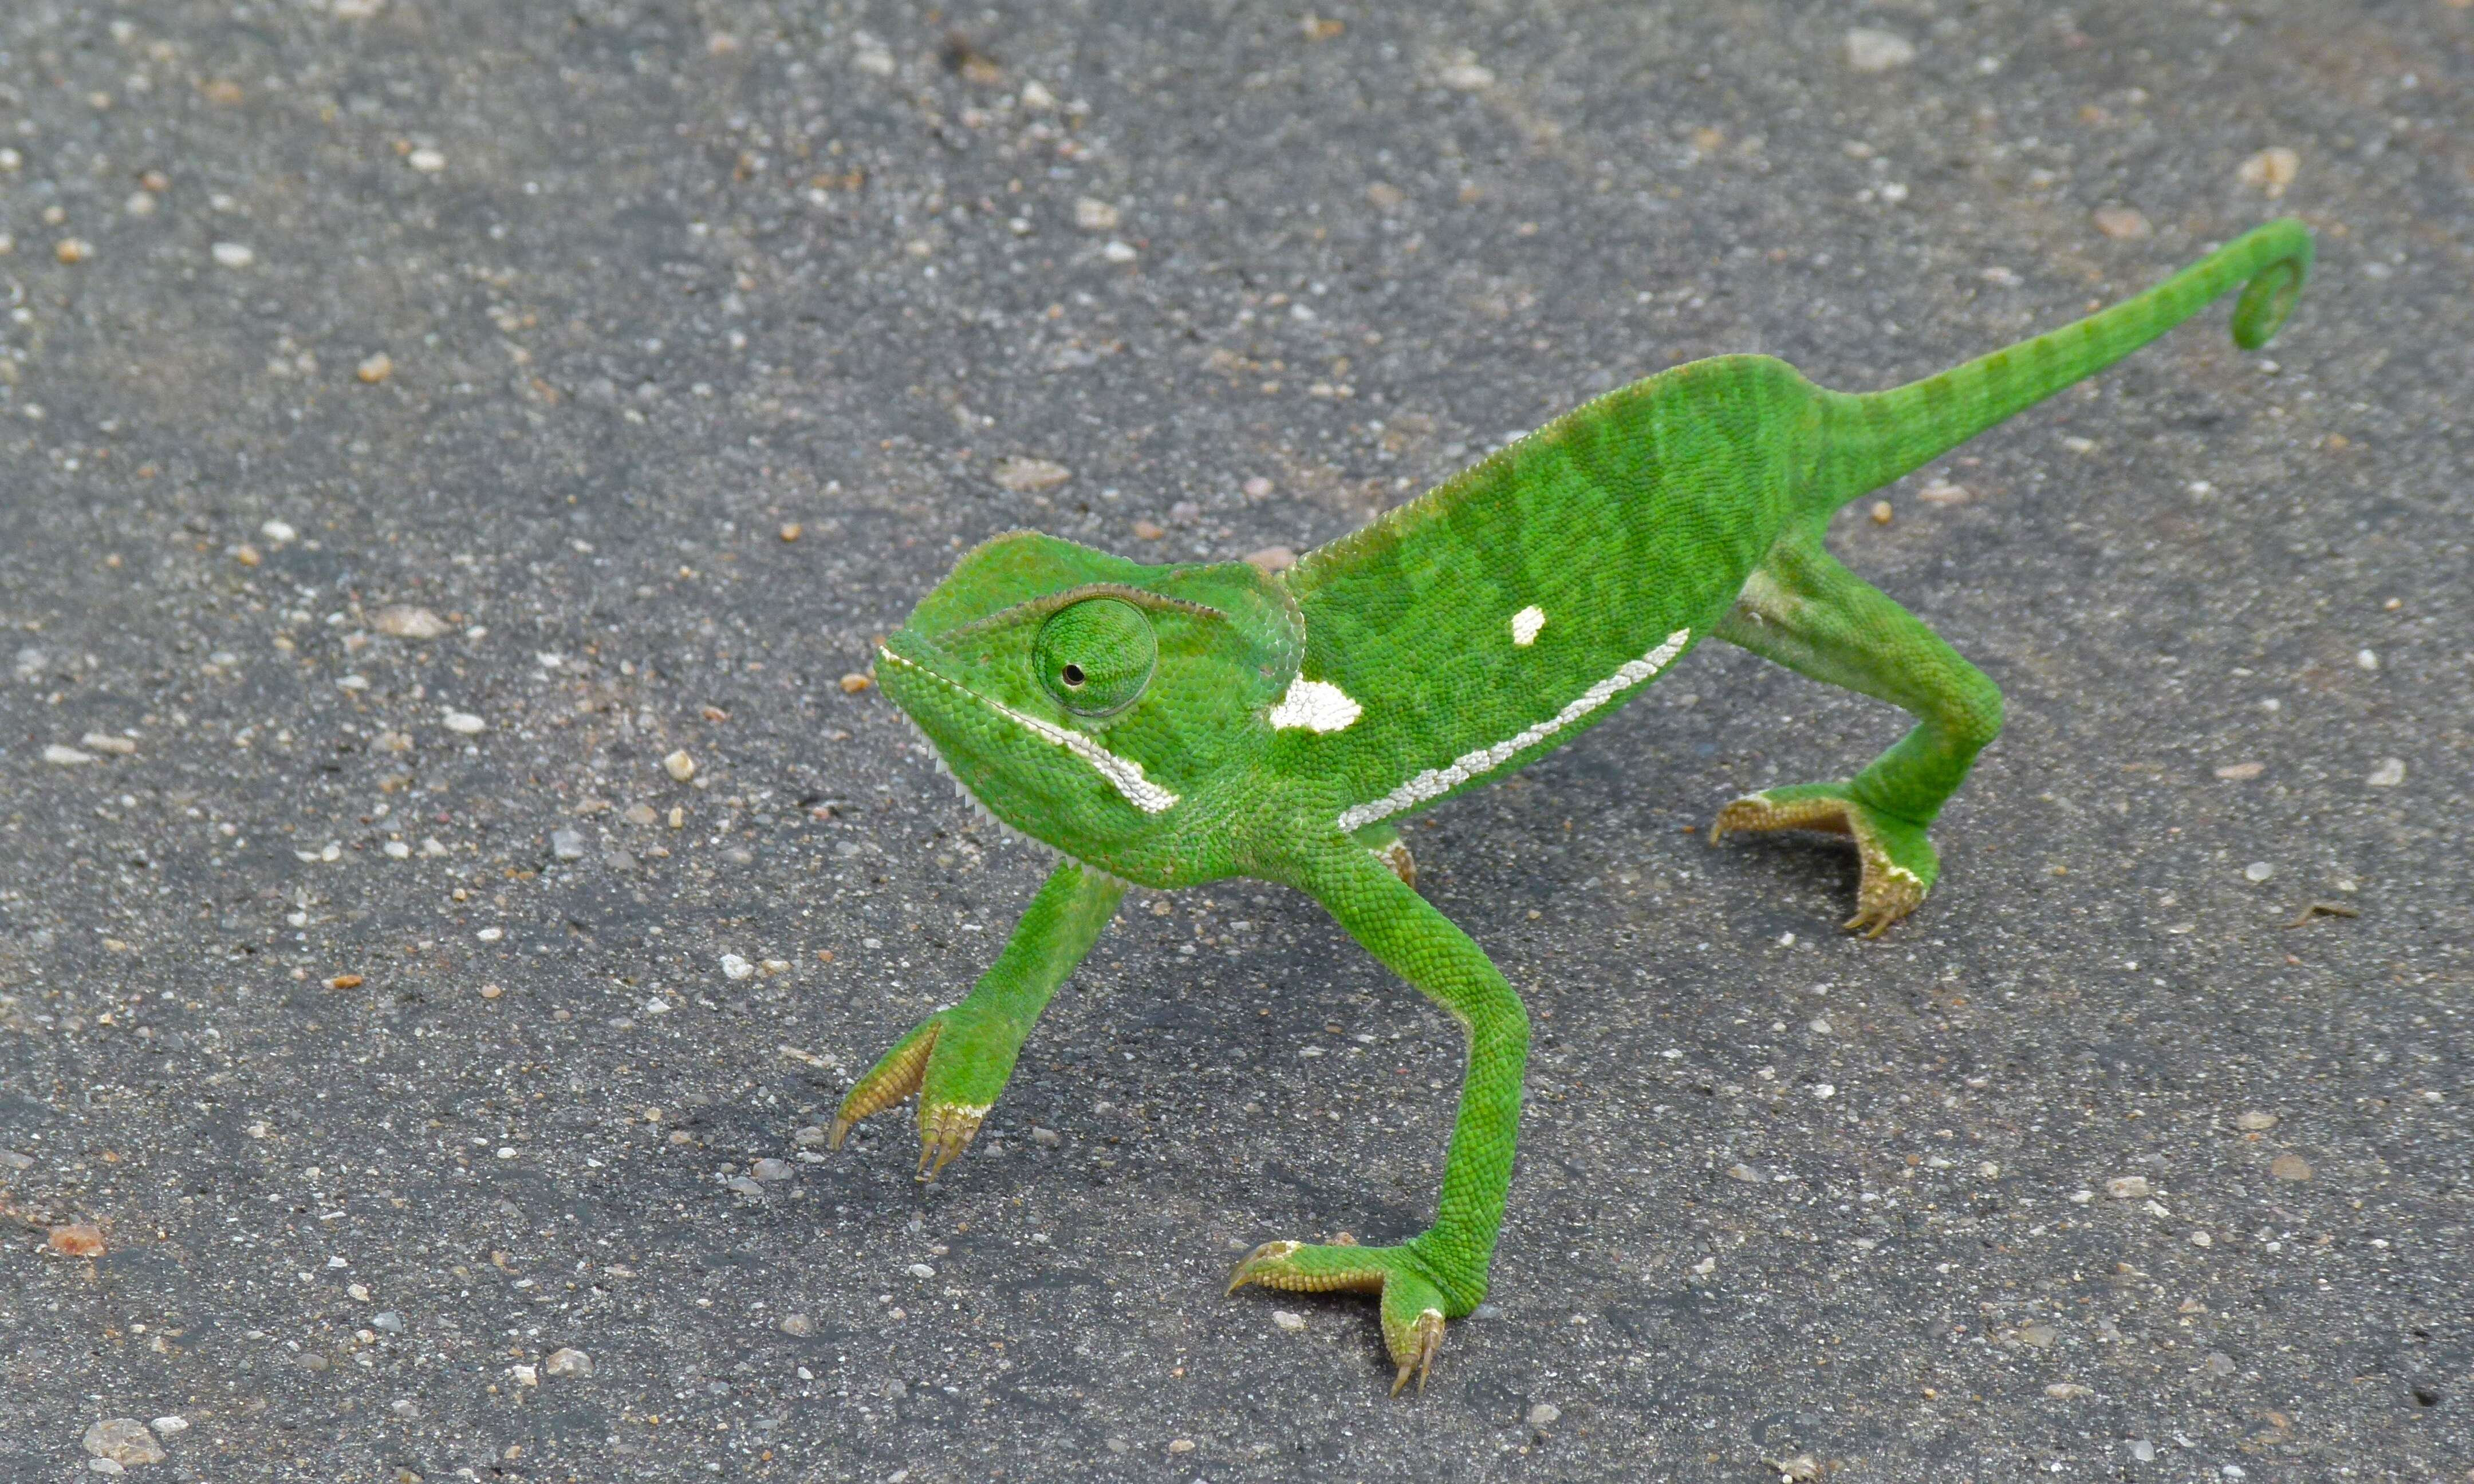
[[1526, 625], [1435, 783], [1317, 705], [1125, 773]]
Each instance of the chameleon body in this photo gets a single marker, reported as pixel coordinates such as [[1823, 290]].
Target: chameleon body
[[1176, 725]]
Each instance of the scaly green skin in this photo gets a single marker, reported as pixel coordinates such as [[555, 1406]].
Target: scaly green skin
[[1178, 725]]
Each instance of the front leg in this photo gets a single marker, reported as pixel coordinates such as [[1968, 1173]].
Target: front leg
[[958, 1059], [1441, 1272]]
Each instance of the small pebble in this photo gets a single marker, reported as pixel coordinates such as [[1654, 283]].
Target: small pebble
[[2041, 1336], [1095, 216], [1182, 1446], [388, 1320], [76, 1240], [427, 161], [771, 1169], [170, 1427], [73, 249], [1743, 1172], [1024, 476], [735, 966], [566, 844], [404, 621], [568, 1362], [376, 368], [1288, 1320], [2142, 1451], [744, 1185], [490, 934], [2221, 1364], [1119, 251], [1870, 50], [791, 531], [2270, 171], [920, 1269], [2255, 1121], [2387, 775], [65, 757], [12, 1159], [2241, 772], [1882, 513], [464, 722], [2289, 1166], [799, 1325], [525, 1375], [1149, 530], [1544, 1414], [2202, 1239], [345, 982], [1272, 559], [125, 1441], [2127, 1188], [854, 682], [1943, 493], [679, 765], [491, 992], [234, 255], [2067, 1391], [2258, 870], [2122, 223], [1467, 77], [639, 814], [278, 531], [1045, 1139]]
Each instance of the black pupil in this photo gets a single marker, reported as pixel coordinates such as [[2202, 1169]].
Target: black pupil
[[1073, 674]]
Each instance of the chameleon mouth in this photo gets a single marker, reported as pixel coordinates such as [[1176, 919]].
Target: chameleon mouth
[[904, 675]]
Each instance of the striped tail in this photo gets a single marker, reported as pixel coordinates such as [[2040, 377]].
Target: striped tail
[[1872, 438]]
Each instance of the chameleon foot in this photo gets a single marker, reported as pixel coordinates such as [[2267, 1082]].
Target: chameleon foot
[[956, 1063], [1899, 863], [1413, 1303]]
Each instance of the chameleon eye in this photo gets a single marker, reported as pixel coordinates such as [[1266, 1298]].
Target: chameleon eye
[[1096, 657]]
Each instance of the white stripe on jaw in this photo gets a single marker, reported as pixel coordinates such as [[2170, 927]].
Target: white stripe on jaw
[[1435, 783], [1124, 773], [1526, 625], [1317, 705]]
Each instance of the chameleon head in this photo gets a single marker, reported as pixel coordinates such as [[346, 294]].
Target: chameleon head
[[1091, 702]]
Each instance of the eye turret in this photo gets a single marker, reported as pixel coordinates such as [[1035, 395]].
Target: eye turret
[[1096, 656]]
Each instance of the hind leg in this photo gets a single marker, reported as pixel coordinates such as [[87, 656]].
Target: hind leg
[[1804, 610]]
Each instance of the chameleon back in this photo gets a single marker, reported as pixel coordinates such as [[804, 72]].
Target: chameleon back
[[1516, 604]]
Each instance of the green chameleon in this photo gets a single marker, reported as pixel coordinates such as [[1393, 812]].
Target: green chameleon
[[1178, 725]]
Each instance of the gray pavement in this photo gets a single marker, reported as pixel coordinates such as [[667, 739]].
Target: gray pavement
[[413, 1042]]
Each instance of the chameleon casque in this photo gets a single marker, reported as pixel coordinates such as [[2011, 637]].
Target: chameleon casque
[[1176, 725]]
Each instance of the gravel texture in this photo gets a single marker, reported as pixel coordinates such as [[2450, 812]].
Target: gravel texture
[[455, 457]]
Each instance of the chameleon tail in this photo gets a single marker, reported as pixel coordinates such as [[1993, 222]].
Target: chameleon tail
[[1872, 438]]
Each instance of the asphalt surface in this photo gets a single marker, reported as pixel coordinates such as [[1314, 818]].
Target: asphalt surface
[[387, 1061]]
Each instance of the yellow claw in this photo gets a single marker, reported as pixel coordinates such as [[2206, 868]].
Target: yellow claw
[[1427, 1336], [945, 1131], [1258, 1261]]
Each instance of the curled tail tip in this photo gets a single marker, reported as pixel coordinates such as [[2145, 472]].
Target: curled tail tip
[[2268, 298]]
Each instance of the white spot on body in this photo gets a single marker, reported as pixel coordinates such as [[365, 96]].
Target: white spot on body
[[1124, 774], [1317, 705], [1526, 625], [1435, 783]]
